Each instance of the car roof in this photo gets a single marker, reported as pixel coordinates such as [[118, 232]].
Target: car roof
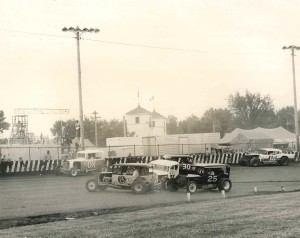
[[135, 165], [270, 149], [164, 162]]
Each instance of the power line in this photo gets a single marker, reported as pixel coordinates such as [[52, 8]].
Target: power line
[[146, 46], [179, 49]]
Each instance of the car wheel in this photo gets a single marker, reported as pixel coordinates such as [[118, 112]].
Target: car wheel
[[224, 184], [254, 162], [192, 186], [91, 185], [171, 185], [138, 187], [74, 172], [57, 170], [284, 161], [104, 169]]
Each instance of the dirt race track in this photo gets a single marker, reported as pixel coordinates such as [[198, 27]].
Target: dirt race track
[[47, 194]]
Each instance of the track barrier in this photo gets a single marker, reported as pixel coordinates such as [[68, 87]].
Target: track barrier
[[48, 166]]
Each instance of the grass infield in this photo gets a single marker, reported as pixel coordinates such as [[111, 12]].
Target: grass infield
[[267, 215]]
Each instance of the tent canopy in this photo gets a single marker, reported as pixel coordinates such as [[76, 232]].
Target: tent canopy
[[259, 137]]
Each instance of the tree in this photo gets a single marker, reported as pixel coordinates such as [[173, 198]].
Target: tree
[[190, 125], [252, 110], [172, 125], [3, 125], [105, 129], [216, 120], [285, 118]]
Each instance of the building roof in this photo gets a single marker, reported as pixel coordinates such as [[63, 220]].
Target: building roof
[[138, 110], [156, 115]]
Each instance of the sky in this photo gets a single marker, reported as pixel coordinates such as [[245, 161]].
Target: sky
[[189, 54]]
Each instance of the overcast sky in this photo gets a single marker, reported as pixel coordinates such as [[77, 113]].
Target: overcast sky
[[190, 54]]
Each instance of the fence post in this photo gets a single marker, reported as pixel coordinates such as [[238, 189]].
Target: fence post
[[29, 153], [134, 150], [157, 150]]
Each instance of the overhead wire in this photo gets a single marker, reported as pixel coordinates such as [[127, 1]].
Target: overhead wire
[[145, 46]]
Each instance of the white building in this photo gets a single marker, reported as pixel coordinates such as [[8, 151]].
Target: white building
[[145, 123]]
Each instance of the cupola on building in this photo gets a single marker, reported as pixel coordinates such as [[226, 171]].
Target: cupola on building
[[145, 123]]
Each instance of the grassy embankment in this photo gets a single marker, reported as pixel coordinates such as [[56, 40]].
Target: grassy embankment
[[274, 215]]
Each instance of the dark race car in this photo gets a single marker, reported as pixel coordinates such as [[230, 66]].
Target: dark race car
[[198, 175]]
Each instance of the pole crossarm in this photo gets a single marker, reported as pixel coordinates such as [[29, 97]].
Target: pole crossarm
[[40, 111]]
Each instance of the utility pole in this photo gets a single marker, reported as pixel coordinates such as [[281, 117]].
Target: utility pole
[[78, 32], [293, 48], [96, 135]]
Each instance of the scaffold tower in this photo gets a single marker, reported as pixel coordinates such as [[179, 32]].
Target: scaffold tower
[[19, 131]]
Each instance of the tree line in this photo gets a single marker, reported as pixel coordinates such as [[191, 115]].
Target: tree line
[[246, 111]]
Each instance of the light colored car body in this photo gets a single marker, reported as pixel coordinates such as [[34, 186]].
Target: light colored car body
[[165, 169], [267, 156], [85, 161]]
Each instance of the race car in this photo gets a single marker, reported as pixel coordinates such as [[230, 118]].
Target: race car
[[266, 156]]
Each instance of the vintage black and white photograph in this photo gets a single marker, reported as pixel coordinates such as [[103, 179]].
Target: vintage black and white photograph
[[149, 118]]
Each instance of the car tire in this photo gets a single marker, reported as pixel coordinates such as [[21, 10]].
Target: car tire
[[284, 161], [57, 170], [91, 185], [74, 172], [254, 162], [138, 187], [192, 186], [224, 184], [104, 169], [171, 185]]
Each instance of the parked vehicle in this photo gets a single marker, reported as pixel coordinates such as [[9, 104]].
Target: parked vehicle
[[194, 176], [137, 177], [267, 156], [85, 161]]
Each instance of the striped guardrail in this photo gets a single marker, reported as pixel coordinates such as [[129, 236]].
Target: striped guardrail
[[41, 166]]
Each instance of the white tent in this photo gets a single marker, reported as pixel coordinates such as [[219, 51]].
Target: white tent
[[258, 137]]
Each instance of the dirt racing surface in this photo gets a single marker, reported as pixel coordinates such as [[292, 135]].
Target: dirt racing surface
[[43, 199]]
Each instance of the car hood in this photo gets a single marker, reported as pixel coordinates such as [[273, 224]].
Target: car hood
[[160, 173], [77, 159]]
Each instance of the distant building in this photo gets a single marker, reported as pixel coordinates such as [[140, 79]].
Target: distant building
[[145, 123]]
